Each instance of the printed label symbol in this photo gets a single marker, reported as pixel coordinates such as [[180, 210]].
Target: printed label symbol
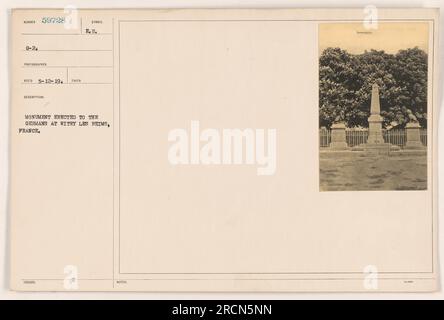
[[371, 277], [71, 18], [71, 280], [371, 17]]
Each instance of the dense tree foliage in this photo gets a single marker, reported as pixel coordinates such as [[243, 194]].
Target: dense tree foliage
[[346, 80]]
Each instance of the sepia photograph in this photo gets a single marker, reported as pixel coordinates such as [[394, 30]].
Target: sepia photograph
[[373, 106]]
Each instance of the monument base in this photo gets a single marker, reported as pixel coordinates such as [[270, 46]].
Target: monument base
[[414, 145], [375, 129], [411, 152], [338, 137], [376, 148], [338, 146], [413, 137]]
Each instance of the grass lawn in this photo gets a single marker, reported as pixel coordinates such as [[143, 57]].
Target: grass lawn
[[373, 172]]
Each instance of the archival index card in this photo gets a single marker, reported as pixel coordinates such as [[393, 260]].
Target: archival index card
[[224, 150]]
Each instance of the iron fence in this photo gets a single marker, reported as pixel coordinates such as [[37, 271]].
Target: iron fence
[[324, 137], [396, 136], [423, 136], [356, 137]]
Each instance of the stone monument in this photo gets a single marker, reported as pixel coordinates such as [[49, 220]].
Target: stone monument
[[338, 138], [375, 142], [413, 132], [375, 119]]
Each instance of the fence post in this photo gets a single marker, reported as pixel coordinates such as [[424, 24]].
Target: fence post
[[413, 136], [338, 139]]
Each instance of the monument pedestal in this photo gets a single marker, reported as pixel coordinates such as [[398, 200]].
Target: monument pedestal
[[375, 129], [338, 138], [413, 136], [375, 143], [376, 148]]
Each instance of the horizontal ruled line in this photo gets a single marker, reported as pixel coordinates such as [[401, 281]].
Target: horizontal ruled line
[[61, 84], [271, 20], [66, 34], [39, 66], [237, 279], [68, 50]]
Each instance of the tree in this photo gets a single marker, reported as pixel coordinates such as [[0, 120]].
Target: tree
[[345, 82]]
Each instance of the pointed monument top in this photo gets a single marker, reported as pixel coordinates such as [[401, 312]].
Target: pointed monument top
[[374, 106]]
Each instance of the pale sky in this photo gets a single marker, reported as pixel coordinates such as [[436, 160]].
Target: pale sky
[[389, 36]]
